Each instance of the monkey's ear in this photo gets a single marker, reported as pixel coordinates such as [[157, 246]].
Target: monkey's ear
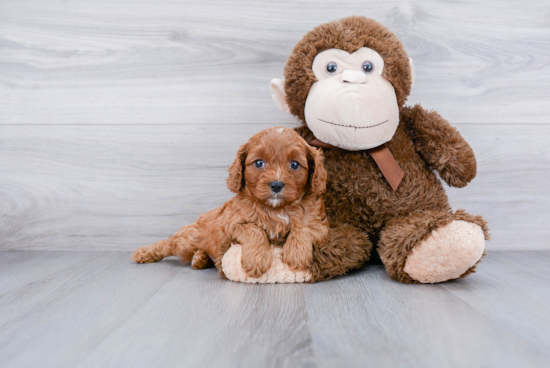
[[235, 182], [411, 65], [277, 87]]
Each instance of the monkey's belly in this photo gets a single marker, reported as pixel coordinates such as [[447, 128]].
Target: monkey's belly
[[359, 195]]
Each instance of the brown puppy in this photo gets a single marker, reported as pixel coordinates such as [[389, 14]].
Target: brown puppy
[[279, 180]]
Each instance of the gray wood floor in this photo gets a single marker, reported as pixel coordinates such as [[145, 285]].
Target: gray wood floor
[[99, 309]]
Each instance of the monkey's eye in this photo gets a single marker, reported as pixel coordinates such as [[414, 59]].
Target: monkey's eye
[[367, 66], [332, 67], [294, 165], [260, 164]]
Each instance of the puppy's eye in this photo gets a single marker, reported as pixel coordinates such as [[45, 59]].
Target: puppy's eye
[[294, 165], [332, 67], [260, 164], [367, 66]]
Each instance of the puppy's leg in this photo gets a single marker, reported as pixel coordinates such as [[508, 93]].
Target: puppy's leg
[[298, 249], [183, 244], [201, 260], [154, 252], [298, 252], [257, 256]]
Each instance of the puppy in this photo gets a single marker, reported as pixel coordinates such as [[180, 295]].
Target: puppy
[[278, 180]]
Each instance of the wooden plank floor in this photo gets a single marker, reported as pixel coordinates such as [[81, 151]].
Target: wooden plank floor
[[99, 309]]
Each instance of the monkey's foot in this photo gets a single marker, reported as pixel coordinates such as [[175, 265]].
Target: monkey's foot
[[278, 273], [447, 254], [432, 246]]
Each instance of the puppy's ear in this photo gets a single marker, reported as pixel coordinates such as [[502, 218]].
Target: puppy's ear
[[317, 172], [235, 181]]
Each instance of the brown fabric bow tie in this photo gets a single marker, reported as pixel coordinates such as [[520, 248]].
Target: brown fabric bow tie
[[383, 158]]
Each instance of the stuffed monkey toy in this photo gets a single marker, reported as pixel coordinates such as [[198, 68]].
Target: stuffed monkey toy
[[347, 82]]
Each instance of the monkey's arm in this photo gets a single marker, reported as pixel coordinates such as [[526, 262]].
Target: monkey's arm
[[441, 145]]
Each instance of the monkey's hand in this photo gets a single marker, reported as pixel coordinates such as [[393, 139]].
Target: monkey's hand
[[441, 145], [257, 256]]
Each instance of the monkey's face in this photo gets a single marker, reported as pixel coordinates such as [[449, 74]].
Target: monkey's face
[[347, 81], [351, 105]]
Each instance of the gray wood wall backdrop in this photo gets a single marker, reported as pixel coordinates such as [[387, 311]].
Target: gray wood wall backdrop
[[118, 118]]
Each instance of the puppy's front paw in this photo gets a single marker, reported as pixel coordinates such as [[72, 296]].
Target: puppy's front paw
[[256, 260], [298, 258], [145, 255]]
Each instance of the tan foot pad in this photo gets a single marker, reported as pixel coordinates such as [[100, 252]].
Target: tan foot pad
[[447, 253], [278, 273]]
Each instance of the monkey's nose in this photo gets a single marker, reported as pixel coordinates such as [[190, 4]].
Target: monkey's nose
[[276, 186], [355, 77]]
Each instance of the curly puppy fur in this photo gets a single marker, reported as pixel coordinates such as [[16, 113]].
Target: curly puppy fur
[[259, 217], [357, 194]]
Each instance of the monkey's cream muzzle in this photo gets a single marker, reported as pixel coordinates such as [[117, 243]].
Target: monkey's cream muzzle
[[351, 109]]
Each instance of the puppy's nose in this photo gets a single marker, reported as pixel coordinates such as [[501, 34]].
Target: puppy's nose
[[276, 186]]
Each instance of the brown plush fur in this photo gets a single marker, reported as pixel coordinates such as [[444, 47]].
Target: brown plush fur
[[357, 193], [258, 217], [347, 249]]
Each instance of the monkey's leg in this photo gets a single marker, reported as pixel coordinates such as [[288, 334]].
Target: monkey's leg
[[348, 248], [432, 246]]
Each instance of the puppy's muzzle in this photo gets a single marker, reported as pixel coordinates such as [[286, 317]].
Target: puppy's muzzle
[[276, 186]]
